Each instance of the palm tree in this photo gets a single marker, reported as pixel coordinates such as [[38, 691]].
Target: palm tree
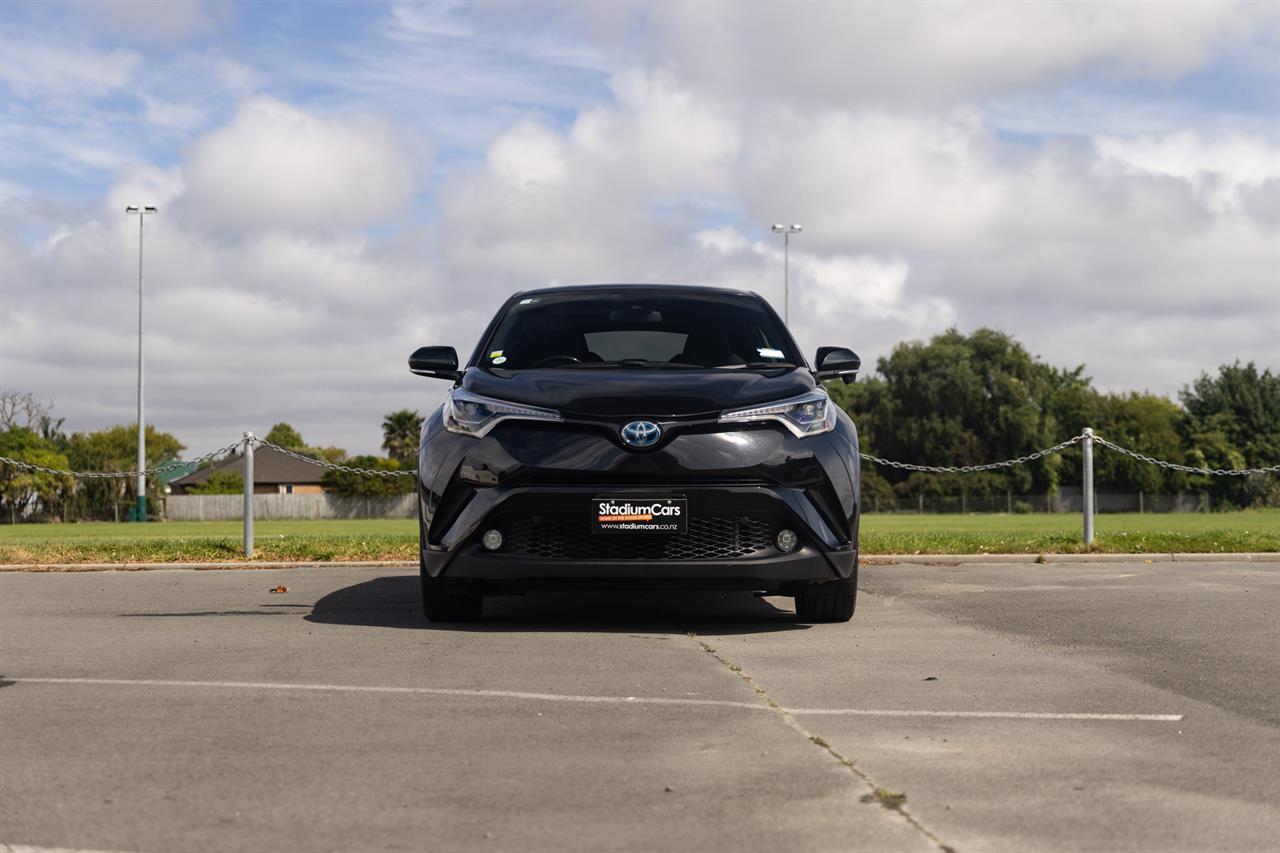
[[400, 434]]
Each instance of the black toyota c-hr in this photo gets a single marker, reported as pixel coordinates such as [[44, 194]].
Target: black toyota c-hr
[[638, 436]]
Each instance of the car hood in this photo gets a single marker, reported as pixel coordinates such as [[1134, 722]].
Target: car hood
[[639, 393]]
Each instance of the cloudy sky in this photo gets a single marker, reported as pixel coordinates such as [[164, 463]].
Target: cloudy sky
[[341, 183]]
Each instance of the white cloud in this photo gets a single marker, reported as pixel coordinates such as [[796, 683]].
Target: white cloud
[[243, 328], [726, 240], [408, 22], [10, 191], [527, 154], [578, 205], [278, 166], [173, 115], [32, 69], [662, 133], [147, 20], [1003, 231], [875, 179], [30, 148], [914, 222], [836, 299], [1148, 251], [239, 335], [844, 54], [145, 186], [1218, 167], [214, 71]]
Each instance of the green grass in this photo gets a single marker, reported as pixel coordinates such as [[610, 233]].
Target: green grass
[[1062, 533], [209, 541], [396, 539], [889, 799], [358, 527]]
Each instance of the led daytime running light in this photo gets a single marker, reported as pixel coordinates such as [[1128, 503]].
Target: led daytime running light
[[470, 414], [808, 414]]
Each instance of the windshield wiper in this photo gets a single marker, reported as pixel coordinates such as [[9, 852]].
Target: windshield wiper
[[758, 365], [634, 362]]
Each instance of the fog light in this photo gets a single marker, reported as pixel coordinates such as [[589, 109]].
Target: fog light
[[787, 541], [492, 539]]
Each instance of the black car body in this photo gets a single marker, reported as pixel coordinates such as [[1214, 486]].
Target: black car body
[[638, 435]]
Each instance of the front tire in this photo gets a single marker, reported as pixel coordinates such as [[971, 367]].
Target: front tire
[[828, 602], [445, 602]]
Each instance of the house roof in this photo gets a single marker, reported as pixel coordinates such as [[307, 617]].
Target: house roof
[[269, 466], [172, 474]]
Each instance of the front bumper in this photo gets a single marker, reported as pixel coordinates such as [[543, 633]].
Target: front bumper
[[807, 565], [537, 486], [730, 538]]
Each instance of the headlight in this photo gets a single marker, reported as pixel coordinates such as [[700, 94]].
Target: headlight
[[809, 414], [470, 414]]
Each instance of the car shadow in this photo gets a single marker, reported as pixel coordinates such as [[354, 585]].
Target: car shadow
[[395, 602], [201, 613]]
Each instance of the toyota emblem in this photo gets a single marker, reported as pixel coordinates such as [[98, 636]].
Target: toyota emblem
[[641, 434]]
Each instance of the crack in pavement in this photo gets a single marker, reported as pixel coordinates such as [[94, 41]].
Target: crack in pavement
[[875, 791]]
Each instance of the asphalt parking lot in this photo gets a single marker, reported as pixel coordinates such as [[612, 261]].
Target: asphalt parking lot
[[1120, 706]]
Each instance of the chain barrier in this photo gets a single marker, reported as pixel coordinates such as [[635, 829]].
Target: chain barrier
[[174, 466], [332, 466], [1009, 463], [106, 475], [967, 469], [1173, 466], [905, 466]]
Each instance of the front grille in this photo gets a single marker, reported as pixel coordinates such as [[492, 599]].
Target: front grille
[[710, 537]]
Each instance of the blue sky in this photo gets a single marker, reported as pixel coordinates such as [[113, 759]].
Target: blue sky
[[341, 182], [425, 65]]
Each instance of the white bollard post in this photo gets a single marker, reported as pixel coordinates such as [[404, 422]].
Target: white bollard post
[[248, 494], [1086, 485]]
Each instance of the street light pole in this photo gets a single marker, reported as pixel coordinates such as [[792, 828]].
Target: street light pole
[[140, 512], [786, 231]]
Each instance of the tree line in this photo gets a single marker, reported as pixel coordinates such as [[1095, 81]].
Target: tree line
[[971, 399], [954, 400], [30, 433]]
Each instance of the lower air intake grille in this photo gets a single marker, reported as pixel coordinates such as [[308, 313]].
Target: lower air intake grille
[[710, 537]]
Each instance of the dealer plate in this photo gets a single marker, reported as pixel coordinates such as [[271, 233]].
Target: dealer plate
[[641, 514]]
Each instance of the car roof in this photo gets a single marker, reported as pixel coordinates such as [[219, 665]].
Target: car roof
[[648, 288]]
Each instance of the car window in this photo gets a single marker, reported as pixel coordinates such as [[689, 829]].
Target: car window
[[629, 343], [567, 330]]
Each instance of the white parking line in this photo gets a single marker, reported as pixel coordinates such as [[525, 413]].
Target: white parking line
[[600, 700], [429, 691], [995, 715], [27, 848]]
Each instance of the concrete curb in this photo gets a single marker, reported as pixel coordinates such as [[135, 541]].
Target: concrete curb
[[204, 567], [961, 559], [867, 559]]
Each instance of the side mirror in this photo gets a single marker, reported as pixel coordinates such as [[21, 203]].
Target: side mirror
[[436, 362], [837, 363]]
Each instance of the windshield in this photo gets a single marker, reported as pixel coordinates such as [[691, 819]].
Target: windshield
[[638, 329]]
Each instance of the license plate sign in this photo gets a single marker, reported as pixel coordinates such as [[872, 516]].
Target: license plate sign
[[639, 515]]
